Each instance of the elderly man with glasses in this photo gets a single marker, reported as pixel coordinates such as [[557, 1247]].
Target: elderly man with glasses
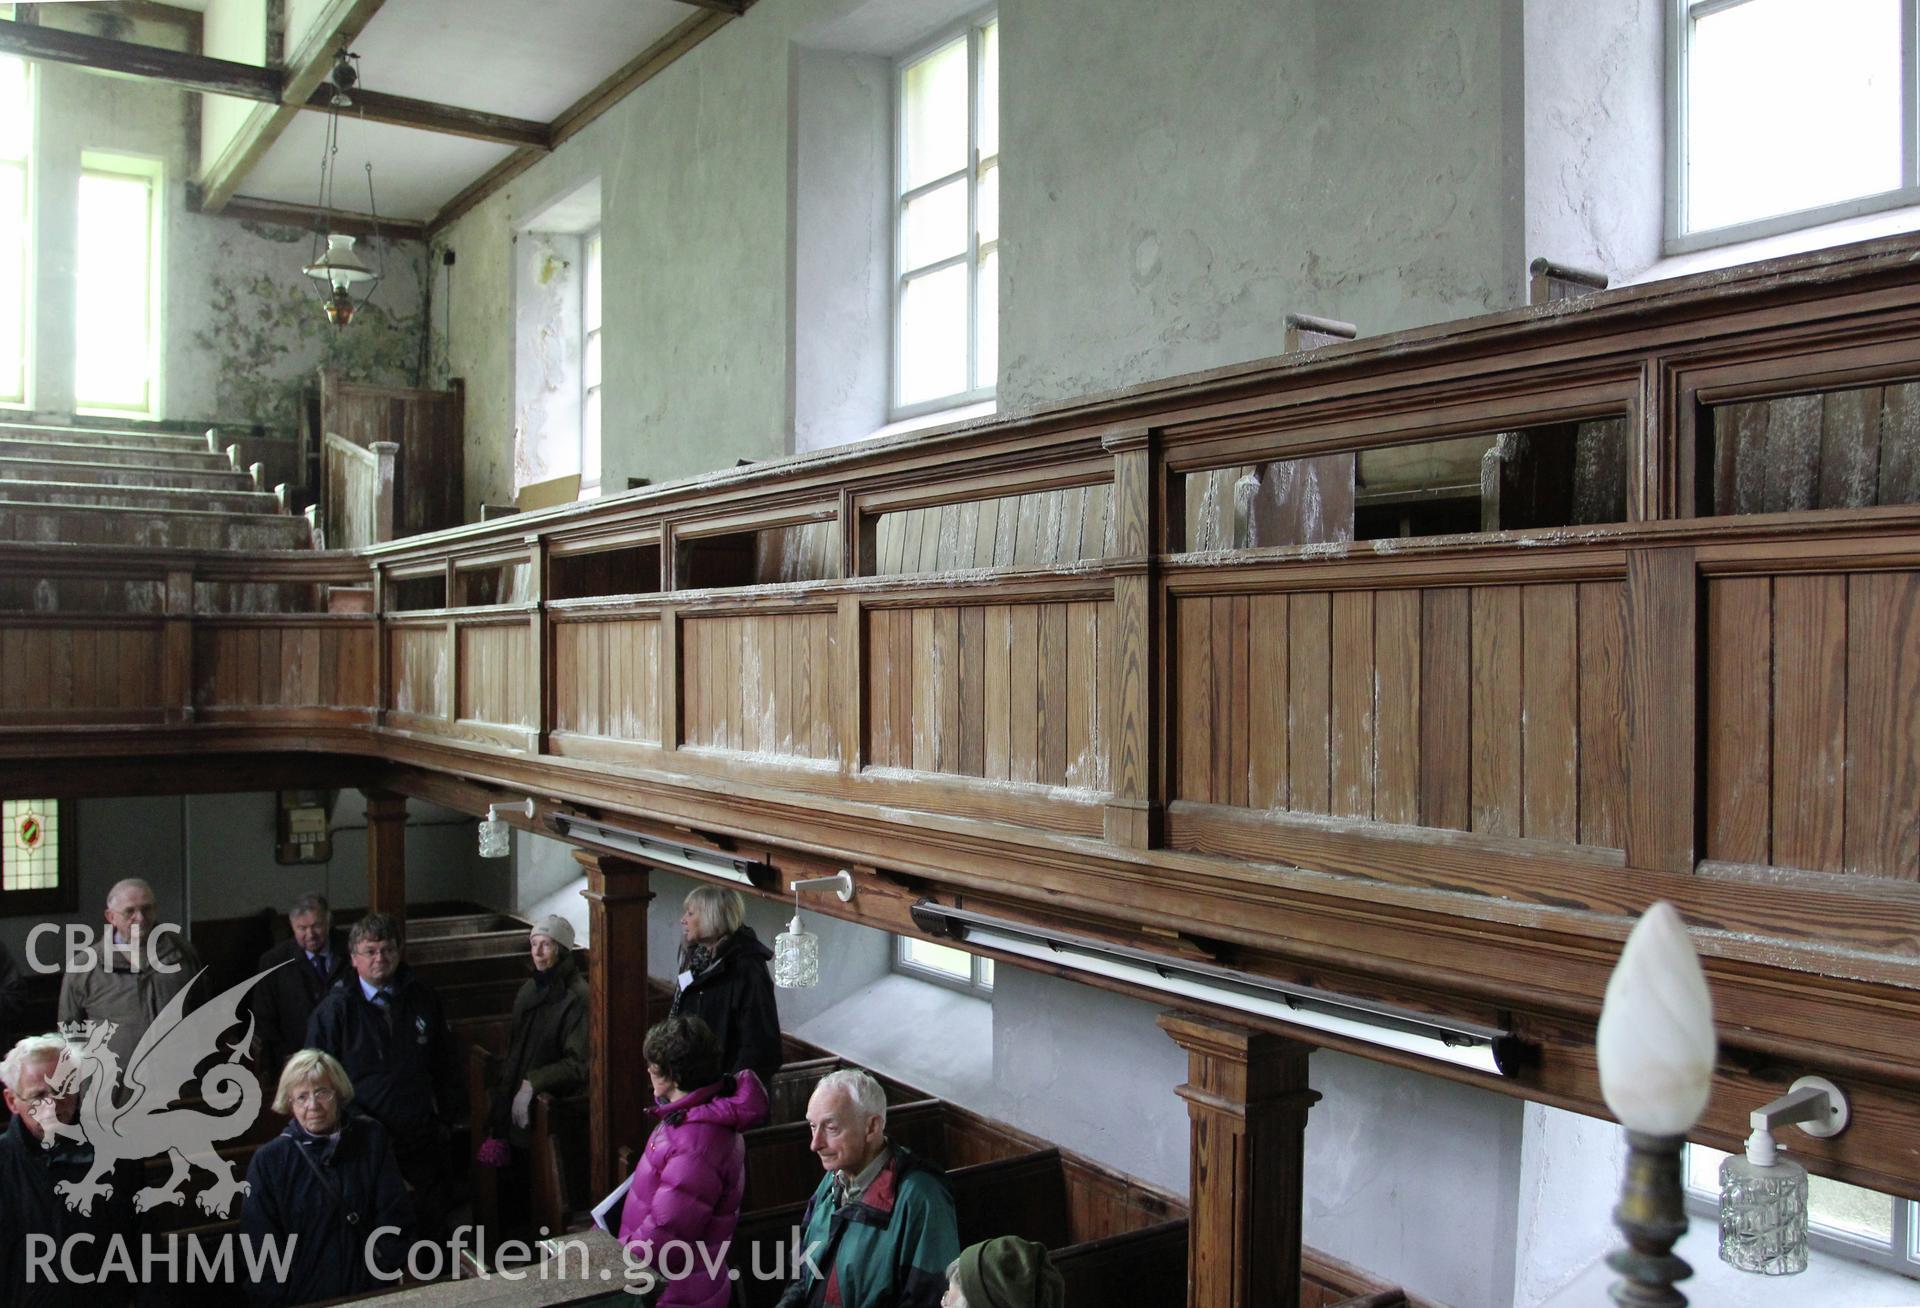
[[390, 1033]]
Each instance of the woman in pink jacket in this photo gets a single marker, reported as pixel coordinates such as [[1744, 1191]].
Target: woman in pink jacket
[[685, 1199]]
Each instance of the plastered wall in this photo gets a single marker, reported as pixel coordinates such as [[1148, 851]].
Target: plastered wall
[[1176, 179], [241, 327]]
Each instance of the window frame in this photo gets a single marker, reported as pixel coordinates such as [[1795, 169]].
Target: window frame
[[1676, 239], [65, 897], [150, 171], [1900, 1254], [976, 984], [592, 268], [971, 29], [29, 263]]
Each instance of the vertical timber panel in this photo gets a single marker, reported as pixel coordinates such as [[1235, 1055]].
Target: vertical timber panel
[[1739, 744], [1396, 644], [1309, 689], [1496, 710], [1446, 707], [1810, 722], [1353, 709], [1267, 710], [1662, 681], [1883, 726], [1550, 713]]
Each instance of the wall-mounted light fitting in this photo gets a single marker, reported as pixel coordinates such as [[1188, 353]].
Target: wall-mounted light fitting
[[1464, 1044], [647, 848], [796, 951], [1763, 1196], [496, 837]]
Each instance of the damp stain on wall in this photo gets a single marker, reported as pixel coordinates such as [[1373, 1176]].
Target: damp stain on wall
[[269, 336]]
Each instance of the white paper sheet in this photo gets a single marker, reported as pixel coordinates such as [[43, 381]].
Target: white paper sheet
[[607, 1205]]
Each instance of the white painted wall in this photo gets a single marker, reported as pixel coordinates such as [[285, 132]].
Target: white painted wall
[[1176, 179]]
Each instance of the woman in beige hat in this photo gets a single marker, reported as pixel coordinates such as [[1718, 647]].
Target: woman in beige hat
[[547, 1051]]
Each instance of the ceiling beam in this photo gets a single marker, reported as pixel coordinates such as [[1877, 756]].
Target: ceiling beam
[[265, 85], [247, 209], [638, 71], [733, 7], [130, 59], [335, 29], [446, 119]]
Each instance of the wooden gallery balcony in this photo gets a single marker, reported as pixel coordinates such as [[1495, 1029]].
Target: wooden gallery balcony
[[1410, 668]]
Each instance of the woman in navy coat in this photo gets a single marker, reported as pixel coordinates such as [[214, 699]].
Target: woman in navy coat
[[325, 1186]]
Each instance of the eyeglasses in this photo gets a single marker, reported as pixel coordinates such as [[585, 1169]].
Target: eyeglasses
[[318, 1094], [384, 950]]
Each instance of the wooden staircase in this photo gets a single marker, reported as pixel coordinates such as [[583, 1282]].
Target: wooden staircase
[[155, 490]]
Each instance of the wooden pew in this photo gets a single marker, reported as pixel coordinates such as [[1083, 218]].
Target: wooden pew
[[1146, 1267]]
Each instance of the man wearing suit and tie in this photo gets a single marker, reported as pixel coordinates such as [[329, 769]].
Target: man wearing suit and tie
[[284, 1001]]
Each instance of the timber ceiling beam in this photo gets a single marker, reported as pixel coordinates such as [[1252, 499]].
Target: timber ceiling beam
[[131, 59], [640, 70], [263, 85], [334, 29]]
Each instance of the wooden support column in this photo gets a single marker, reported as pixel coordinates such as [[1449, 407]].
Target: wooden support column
[[1247, 1098], [617, 1090], [1135, 811], [387, 853]]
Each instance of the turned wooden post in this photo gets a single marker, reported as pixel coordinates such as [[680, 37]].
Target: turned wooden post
[[1247, 1098], [618, 1092], [387, 853]]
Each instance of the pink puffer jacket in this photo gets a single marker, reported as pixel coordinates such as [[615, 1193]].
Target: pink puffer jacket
[[685, 1199]]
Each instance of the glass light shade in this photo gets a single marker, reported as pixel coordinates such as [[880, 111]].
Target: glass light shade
[[796, 958], [341, 266], [1655, 1042], [1763, 1216], [495, 837]]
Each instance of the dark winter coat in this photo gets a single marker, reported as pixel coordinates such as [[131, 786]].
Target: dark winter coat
[[284, 1000], [549, 1042], [13, 997], [333, 1207], [29, 1206], [688, 1184], [401, 1060], [889, 1248], [733, 994]]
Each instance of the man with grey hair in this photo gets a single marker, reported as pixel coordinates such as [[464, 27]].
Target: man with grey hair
[[29, 1205], [879, 1231], [141, 965], [285, 998]]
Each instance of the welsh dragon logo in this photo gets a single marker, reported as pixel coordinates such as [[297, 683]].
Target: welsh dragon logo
[[134, 1113]]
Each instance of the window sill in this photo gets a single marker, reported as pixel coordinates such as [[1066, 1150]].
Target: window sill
[[938, 418], [1820, 236]]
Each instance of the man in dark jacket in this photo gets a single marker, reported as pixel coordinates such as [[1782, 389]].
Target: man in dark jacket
[[31, 1274], [388, 1030], [13, 996], [724, 981], [284, 1000]]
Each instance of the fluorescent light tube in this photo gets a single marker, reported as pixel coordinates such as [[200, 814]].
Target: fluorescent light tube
[[1464, 1044], [745, 871]]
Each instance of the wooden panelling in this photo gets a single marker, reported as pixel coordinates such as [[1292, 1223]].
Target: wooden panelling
[[274, 665], [1453, 707], [79, 669], [1005, 692], [420, 673], [1041, 529], [1813, 723], [495, 663], [606, 679], [744, 679]]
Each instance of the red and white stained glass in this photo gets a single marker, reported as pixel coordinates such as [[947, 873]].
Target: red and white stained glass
[[31, 850]]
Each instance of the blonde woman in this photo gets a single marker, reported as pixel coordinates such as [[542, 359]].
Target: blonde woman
[[321, 1187], [724, 982]]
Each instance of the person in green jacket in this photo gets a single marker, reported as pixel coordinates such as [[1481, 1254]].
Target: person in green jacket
[[879, 1231]]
